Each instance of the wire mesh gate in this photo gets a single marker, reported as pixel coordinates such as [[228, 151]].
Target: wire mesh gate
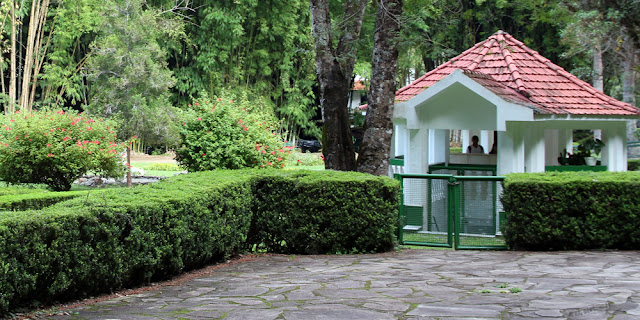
[[446, 210]]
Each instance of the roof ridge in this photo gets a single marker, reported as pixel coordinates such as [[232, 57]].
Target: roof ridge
[[487, 46], [513, 69]]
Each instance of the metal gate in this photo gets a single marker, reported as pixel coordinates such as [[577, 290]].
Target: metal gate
[[446, 210]]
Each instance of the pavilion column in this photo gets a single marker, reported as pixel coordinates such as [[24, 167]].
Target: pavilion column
[[511, 149], [565, 138], [551, 146], [417, 156], [416, 162], [447, 150], [614, 153], [535, 149]]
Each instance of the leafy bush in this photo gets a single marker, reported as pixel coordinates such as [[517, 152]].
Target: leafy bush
[[56, 148], [327, 212], [36, 200], [229, 135], [633, 165], [572, 210], [123, 237]]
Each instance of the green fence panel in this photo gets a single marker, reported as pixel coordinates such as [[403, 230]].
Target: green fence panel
[[447, 210]]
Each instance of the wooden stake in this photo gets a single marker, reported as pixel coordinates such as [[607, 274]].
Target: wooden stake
[[129, 183]]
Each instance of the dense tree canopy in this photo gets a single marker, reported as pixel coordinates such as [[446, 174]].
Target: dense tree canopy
[[141, 61]]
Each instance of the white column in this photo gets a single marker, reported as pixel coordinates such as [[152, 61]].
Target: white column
[[417, 155], [510, 150], [466, 139], [415, 161], [485, 141], [447, 151], [535, 149], [565, 140], [614, 153], [552, 147]]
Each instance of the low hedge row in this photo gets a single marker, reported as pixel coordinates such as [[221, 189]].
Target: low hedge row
[[37, 199], [572, 211], [633, 165], [124, 237]]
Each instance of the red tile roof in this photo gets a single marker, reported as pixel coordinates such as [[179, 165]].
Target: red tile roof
[[518, 74]]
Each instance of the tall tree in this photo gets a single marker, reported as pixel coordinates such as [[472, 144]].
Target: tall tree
[[12, 77], [128, 73], [334, 69], [375, 149]]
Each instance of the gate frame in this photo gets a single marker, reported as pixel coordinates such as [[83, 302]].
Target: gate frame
[[453, 209]]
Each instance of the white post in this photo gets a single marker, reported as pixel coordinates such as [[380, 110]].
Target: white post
[[510, 150], [466, 139], [535, 149], [484, 140], [447, 150], [614, 153], [551, 146]]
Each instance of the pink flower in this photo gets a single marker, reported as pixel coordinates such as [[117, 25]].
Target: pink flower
[[203, 154], [65, 138], [89, 128], [199, 119], [50, 155], [282, 165], [273, 152], [135, 137], [245, 128], [269, 163], [240, 121], [196, 103], [48, 145]]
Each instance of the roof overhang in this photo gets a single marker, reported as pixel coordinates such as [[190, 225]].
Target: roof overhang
[[459, 102]]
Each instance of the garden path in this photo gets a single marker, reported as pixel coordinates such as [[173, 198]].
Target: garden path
[[411, 284]]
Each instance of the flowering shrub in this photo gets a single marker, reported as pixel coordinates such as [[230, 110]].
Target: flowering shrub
[[56, 148], [229, 135]]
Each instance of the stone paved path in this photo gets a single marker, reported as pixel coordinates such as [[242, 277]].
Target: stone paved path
[[412, 284]]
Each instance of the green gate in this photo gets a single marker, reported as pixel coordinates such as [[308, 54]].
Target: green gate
[[446, 210]]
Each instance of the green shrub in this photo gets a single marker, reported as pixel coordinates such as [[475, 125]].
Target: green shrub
[[572, 211], [633, 165], [124, 237], [56, 148], [229, 135], [37, 200], [330, 212]]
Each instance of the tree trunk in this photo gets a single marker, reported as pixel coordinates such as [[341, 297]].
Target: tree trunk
[[629, 87], [598, 79], [376, 145], [12, 75], [37, 20], [334, 68]]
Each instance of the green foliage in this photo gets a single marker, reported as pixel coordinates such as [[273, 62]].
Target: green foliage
[[330, 212], [37, 199], [128, 72], [633, 165], [56, 148], [227, 134], [572, 211], [124, 237], [264, 48]]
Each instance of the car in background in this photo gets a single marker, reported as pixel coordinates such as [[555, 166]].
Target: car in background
[[309, 145]]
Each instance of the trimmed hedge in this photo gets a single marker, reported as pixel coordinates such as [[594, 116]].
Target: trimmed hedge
[[124, 237], [572, 210], [36, 199], [633, 165]]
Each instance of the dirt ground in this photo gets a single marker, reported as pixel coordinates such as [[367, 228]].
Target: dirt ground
[[141, 157]]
